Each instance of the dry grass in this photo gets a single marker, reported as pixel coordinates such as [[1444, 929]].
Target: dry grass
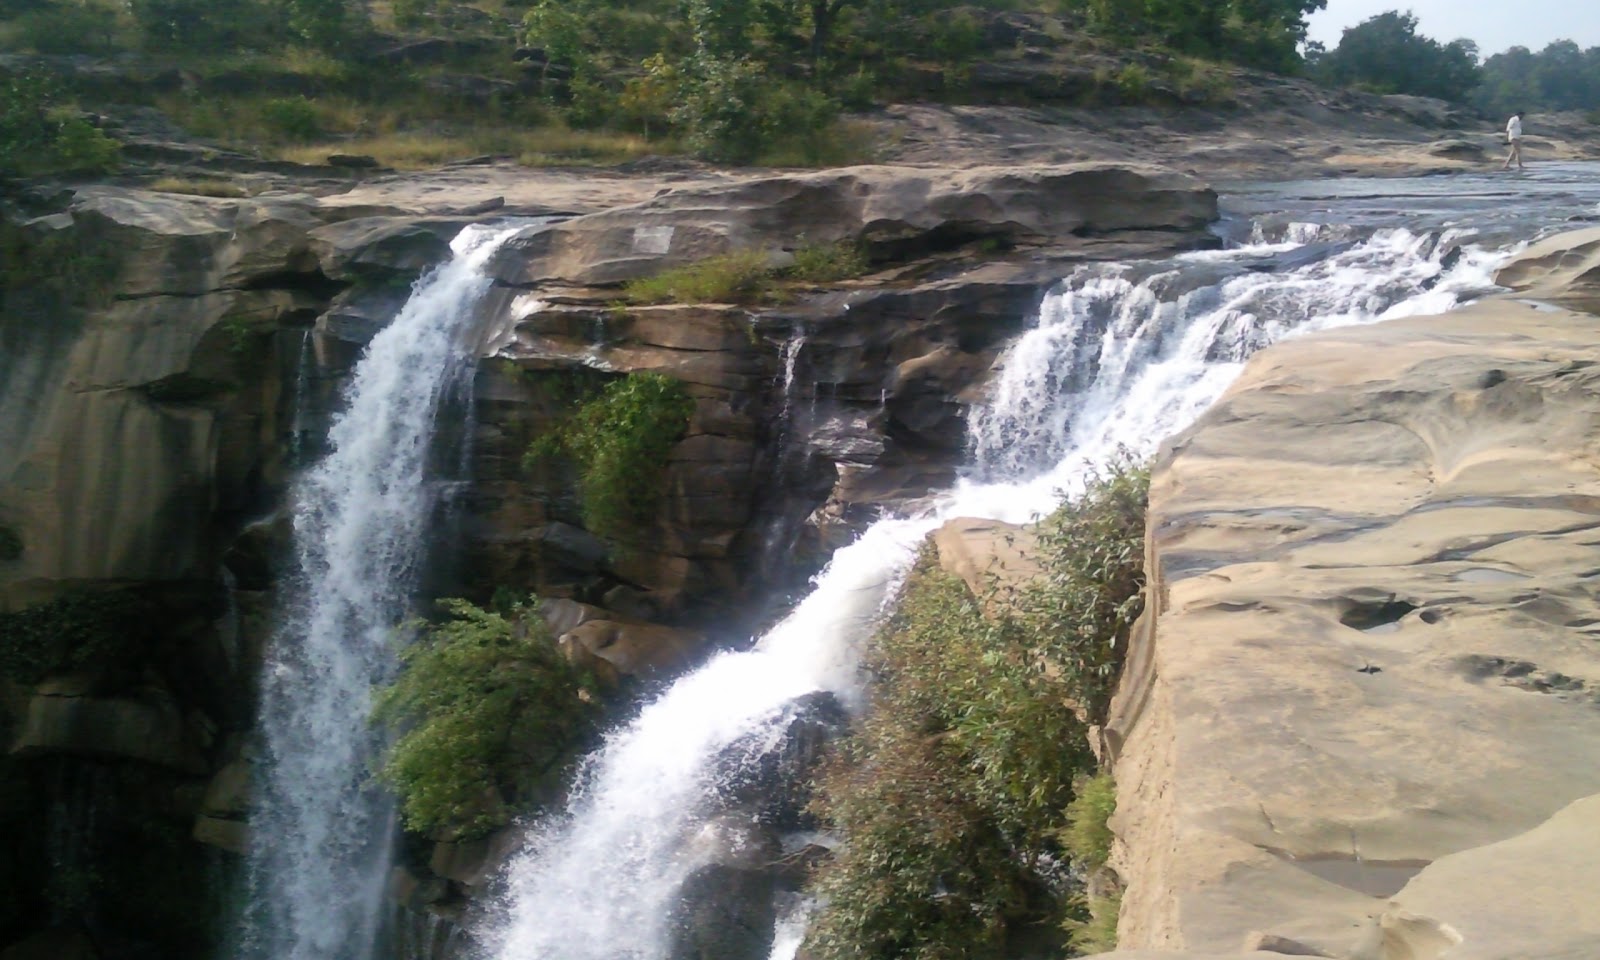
[[548, 146], [198, 187]]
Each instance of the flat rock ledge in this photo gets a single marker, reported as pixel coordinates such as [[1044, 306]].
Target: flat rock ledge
[[1360, 717]]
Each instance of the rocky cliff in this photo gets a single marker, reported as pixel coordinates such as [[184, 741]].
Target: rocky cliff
[[1359, 716], [167, 362]]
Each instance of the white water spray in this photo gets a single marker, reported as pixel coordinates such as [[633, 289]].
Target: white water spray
[[320, 836], [1114, 360]]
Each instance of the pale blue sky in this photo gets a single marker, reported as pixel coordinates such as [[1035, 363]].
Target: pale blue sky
[[1494, 24]]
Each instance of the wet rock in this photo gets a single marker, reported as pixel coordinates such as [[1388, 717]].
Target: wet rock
[[639, 650], [724, 913], [769, 772], [150, 728]]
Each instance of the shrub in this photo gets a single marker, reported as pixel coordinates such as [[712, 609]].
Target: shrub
[[740, 277], [620, 439], [1088, 832], [970, 776], [292, 118], [489, 710], [949, 794], [1097, 933], [828, 263], [39, 134], [1092, 551]]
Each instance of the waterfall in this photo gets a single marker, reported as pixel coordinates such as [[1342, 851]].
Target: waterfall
[[1122, 354], [320, 834]]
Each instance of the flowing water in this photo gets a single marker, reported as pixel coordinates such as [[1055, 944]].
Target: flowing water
[[320, 856], [1121, 355]]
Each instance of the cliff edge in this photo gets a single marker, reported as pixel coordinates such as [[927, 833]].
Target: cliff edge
[[1359, 716]]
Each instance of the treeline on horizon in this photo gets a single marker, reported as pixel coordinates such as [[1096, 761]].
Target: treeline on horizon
[[1386, 54], [736, 81]]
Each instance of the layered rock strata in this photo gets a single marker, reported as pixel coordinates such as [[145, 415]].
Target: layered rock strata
[[1358, 716], [167, 362]]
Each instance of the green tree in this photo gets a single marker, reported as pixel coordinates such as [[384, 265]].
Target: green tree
[[40, 133], [1385, 53], [487, 711]]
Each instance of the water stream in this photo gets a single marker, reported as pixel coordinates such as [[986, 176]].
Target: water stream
[[1120, 355], [320, 834]]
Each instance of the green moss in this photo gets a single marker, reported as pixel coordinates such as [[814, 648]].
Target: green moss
[[827, 263], [620, 439], [98, 631]]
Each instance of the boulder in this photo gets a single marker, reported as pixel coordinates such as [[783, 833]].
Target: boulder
[[896, 212], [382, 246], [994, 559], [769, 771], [639, 650], [1369, 650], [1562, 269], [724, 913]]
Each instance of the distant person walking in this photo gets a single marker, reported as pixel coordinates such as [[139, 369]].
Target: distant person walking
[[1514, 137]]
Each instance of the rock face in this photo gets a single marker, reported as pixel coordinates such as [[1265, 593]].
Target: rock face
[[167, 362], [1350, 721], [892, 210]]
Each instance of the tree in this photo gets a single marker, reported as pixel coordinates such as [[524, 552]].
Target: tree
[[1386, 54]]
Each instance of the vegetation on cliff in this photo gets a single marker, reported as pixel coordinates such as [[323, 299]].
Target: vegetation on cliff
[[103, 632], [619, 439], [40, 133], [734, 80], [488, 711], [967, 785]]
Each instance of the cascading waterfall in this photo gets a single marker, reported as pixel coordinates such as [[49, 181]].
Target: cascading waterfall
[[320, 834], [1121, 355]]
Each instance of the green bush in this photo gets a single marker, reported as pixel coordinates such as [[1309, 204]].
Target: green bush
[[68, 28], [292, 118], [740, 277], [1092, 550], [828, 263], [488, 712], [970, 775], [620, 440], [1087, 835], [40, 134]]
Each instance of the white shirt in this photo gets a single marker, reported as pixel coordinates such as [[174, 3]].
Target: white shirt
[[1514, 129]]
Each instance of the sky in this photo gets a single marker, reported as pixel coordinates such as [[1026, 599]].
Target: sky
[[1494, 24]]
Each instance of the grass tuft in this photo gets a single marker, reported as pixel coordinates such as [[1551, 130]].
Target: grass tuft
[[740, 277]]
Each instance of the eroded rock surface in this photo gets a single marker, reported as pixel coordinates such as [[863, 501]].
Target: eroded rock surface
[[1369, 666]]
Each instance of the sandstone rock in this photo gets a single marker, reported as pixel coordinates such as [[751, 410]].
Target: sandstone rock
[[1368, 647], [230, 835], [1530, 895], [636, 649], [472, 862], [382, 246], [993, 558], [1563, 269], [150, 728], [563, 616], [895, 211]]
